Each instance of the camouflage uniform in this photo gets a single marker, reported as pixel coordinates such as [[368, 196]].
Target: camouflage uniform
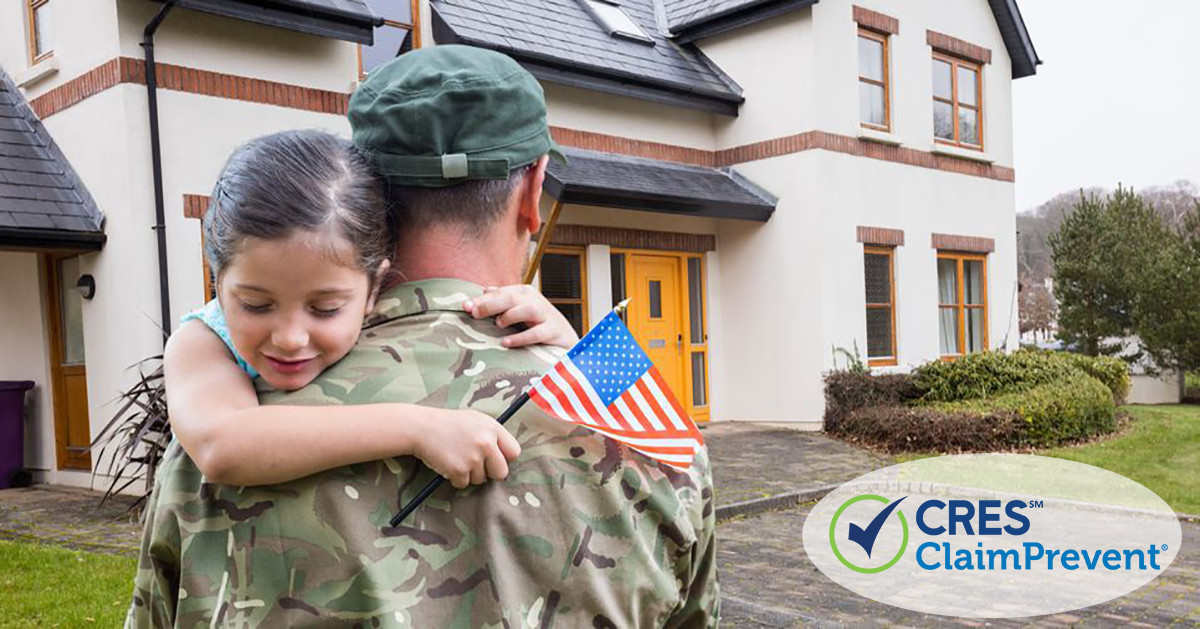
[[583, 533]]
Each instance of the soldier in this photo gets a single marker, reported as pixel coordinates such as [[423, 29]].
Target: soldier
[[583, 532]]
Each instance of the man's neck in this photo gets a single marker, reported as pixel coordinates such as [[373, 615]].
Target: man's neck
[[446, 252]]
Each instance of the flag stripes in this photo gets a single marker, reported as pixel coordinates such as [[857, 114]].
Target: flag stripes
[[646, 416]]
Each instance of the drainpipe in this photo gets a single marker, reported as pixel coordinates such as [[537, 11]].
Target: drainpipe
[[160, 225]]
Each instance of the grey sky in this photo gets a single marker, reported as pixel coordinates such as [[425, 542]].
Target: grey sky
[[1117, 99]]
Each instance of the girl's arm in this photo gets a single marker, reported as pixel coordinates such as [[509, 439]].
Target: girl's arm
[[216, 417]]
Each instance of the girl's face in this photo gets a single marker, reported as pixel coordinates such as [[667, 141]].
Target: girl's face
[[292, 309]]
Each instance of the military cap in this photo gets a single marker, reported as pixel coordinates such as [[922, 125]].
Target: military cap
[[438, 116]]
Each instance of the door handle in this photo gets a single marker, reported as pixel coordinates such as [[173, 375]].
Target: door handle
[[679, 342]]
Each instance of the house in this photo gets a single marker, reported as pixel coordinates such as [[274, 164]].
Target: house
[[767, 179]]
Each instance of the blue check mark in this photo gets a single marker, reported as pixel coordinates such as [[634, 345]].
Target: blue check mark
[[866, 537]]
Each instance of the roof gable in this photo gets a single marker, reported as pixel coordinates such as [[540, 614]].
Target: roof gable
[[43, 204]]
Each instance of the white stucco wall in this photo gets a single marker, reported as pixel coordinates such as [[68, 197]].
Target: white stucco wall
[[587, 110], [1167, 388], [23, 351]]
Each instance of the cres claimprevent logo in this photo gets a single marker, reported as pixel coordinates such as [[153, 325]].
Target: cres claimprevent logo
[[865, 535]]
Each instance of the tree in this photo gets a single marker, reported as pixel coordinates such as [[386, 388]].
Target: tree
[[1168, 313], [1101, 252]]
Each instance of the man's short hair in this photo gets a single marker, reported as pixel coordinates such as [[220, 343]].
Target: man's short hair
[[473, 205]]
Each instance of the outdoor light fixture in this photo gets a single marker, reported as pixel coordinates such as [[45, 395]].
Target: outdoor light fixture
[[86, 286]]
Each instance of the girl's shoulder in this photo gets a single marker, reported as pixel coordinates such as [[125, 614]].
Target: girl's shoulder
[[213, 318]]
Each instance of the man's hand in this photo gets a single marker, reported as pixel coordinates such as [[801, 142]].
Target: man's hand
[[466, 447], [522, 304]]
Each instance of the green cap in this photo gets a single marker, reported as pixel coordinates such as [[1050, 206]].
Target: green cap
[[439, 116]]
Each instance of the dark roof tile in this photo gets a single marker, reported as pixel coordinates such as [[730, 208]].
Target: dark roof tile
[[609, 179], [38, 188]]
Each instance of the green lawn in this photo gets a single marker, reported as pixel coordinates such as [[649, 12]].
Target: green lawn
[[1161, 450], [42, 586]]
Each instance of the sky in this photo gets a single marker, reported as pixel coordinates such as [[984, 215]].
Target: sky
[[1117, 98]]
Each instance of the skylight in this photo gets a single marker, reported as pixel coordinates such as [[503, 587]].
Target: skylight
[[613, 19]]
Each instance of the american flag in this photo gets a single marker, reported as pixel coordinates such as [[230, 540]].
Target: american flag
[[607, 383]]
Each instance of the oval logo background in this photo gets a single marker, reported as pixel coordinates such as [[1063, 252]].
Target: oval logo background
[[992, 535]]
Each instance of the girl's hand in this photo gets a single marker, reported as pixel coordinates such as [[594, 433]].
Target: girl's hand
[[466, 447], [521, 303]]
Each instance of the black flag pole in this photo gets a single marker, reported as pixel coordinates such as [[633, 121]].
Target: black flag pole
[[437, 482]]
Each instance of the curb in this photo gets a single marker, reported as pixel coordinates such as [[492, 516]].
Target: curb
[[773, 503], [1188, 517]]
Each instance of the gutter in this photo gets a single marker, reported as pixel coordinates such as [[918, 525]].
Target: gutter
[[160, 225]]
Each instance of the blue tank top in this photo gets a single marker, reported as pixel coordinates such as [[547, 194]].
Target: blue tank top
[[211, 316]]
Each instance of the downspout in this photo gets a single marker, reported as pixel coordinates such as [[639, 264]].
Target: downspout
[[160, 225]]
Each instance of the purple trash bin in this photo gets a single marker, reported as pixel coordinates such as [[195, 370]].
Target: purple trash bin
[[12, 429]]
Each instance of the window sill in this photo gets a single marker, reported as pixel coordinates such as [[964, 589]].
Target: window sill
[[37, 72], [877, 136], [962, 153]]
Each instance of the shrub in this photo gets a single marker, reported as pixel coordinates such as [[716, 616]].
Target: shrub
[[846, 392], [1075, 408], [991, 374], [988, 374], [898, 428], [1112, 372]]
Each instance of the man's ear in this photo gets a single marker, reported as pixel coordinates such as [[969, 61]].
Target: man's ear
[[529, 203], [376, 285]]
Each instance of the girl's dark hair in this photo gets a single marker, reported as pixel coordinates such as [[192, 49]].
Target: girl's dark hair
[[277, 185]]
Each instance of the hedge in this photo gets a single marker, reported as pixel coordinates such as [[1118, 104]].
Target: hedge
[[1075, 408], [990, 374], [979, 402]]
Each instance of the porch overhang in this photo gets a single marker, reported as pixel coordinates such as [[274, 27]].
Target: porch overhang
[[649, 185]]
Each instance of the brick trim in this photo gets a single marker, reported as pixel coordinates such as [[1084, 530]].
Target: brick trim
[[633, 238], [880, 236], [861, 148], [957, 47], [194, 205], [970, 244], [591, 141], [876, 21], [189, 80]]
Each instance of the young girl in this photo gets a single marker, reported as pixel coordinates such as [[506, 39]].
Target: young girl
[[297, 235]]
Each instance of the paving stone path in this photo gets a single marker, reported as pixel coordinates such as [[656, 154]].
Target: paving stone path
[[69, 517], [753, 461]]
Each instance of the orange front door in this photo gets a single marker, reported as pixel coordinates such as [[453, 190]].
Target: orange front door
[[68, 374], [656, 315]]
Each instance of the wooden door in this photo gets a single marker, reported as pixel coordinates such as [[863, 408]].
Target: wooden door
[[68, 373], [656, 315]]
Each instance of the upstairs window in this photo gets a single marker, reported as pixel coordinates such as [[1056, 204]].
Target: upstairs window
[[614, 19], [398, 35], [957, 102], [874, 102], [40, 35]]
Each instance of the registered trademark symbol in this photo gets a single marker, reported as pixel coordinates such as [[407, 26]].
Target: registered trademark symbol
[[1164, 547]]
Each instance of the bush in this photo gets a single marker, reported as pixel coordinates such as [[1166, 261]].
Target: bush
[[991, 374], [1112, 372], [927, 429], [1072, 409], [846, 392], [979, 402]]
